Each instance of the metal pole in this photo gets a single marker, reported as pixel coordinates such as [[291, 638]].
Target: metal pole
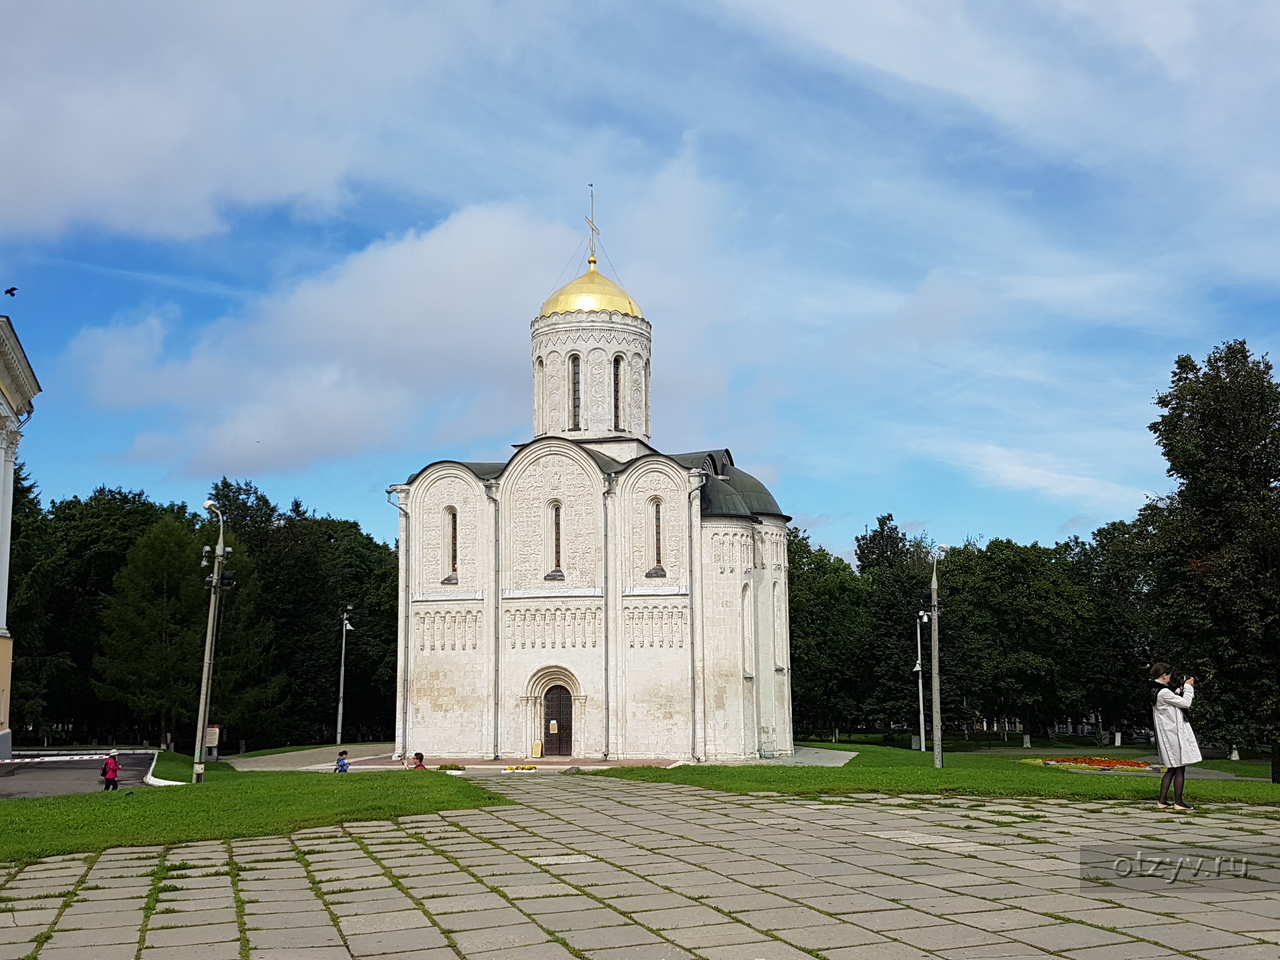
[[202, 712], [342, 668], [937, 685], [920, 677]]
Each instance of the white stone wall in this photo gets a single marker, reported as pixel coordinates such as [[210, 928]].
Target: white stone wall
[[448, 487], [717, 686], [450, 648], [655, 665], [597, 338]]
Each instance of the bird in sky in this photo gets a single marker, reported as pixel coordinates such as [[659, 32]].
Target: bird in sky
[[12, 292]]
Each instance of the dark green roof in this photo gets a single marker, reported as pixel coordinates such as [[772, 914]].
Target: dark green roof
[[729, 491], [485, 471], [742, 494], [721, 500]]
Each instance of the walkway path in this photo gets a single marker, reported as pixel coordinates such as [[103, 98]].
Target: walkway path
[[613, 870], [378, 756]]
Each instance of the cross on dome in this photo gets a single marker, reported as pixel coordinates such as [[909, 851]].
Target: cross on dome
[[592, 291]]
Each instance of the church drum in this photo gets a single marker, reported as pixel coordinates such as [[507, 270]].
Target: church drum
[[557, 722]]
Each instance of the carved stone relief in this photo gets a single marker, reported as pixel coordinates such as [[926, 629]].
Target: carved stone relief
[[448, 629], [431, 536], [732, 552], [556, 477], [565, 627], [637, 394], [654, 625], [639, 520], [554, 412], [539, 389], [596, 391]]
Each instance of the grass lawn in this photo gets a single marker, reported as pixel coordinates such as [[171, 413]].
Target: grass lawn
[[1241, 768], [227, 805], [314, 746], [894, 771]]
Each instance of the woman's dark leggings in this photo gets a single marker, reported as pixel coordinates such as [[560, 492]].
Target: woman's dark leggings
[[1176, 776], [111, 784]]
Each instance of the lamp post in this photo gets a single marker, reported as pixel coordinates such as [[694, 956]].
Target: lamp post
[[921, 617], [215, 585], [342, 666], [937, 683]]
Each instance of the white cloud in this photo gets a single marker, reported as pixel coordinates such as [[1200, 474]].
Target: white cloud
[[1010, 469], [150, 117], [417, 339], [413, 334], [852, 225]]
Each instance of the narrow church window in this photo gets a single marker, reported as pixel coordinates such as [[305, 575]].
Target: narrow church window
[[555, 522], [450, 545], [552, 540], [576, 364], [617, 393], [453, 542], [657, 570]]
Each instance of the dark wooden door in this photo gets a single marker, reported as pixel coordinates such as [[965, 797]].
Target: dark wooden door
[[557, 723]]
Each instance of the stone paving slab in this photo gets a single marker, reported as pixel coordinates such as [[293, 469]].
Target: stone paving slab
[[601, 869]]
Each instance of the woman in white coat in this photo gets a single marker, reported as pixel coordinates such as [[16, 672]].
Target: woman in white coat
[[1174, 736]]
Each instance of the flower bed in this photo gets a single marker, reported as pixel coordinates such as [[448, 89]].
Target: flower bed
[[1100, 764]]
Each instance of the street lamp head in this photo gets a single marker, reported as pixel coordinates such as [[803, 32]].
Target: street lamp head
[[209, 505]]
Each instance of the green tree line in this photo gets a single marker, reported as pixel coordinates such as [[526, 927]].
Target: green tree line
[[107, 605], [108, 610], [1039, 633]]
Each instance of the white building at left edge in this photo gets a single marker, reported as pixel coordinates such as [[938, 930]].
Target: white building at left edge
[[18, 386], [593, 597]]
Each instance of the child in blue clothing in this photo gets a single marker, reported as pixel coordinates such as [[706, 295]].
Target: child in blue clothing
[[342, 765]]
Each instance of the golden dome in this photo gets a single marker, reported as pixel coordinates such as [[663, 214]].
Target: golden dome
[[591, 291]]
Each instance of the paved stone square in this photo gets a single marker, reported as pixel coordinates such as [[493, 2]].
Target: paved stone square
[[606, 869]]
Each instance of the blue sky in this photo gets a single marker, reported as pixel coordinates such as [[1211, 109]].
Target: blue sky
[[932, 259]]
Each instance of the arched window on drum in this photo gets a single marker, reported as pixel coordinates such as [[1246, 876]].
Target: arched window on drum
[[575, 392], [619, 392]]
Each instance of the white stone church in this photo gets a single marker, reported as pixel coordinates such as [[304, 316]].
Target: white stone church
[[592, 597]]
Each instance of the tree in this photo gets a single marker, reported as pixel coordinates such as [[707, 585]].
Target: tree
[[91, 539], [895, 570], [152, 649], [828, 623], [39, 664], [1214, 543], [309, 569], [1115, 645], [1013, 618]]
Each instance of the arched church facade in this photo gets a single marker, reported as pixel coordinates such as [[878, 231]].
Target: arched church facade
[[592, 597]]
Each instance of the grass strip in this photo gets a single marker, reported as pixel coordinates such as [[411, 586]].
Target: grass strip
[[895, 772], [272, 751], [399, 884], [227, 806], [233, 871], [40, 939]]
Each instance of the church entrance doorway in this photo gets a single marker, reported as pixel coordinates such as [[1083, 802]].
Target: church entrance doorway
[[557, 712]]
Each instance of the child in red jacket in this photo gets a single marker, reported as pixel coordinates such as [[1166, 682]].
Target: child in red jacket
[[111, 772]]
